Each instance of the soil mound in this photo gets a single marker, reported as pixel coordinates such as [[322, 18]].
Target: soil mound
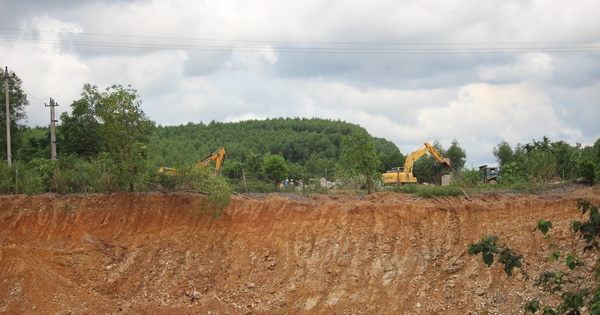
[[386, 253]]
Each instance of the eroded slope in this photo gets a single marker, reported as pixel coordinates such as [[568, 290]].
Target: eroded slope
[[382, 254]]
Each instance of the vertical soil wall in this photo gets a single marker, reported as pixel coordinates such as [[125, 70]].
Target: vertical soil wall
[[385, 253]]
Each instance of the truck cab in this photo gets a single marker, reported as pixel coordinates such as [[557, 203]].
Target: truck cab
[[489, 174]]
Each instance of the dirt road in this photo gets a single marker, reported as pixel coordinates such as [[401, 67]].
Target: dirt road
[[385, 253]]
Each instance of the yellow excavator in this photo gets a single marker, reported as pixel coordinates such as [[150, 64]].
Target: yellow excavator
[[218, 156], [404, 174]]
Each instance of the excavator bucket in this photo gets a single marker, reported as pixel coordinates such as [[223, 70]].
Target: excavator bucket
[[446, 163]]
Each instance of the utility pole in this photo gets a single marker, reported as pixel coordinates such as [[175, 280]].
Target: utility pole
[[6, 77], [53, 122]]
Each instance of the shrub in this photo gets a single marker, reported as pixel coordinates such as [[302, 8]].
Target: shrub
[[219, 191], [215, 188], [7, 179], [511, 173], [587, 170], [466, 178], [432, 191], [409, 188], [541, 166]]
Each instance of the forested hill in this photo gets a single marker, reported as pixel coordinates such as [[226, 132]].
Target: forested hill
[[300, 141]]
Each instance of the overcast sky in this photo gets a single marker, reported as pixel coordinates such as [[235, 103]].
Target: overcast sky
[[408, 71]]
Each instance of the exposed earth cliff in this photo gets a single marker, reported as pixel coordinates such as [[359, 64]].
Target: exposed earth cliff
[[386, 253]]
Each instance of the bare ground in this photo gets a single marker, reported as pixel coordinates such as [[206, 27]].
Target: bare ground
[[386, 253]]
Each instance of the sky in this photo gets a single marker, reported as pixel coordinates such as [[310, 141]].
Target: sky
[[410, 71]]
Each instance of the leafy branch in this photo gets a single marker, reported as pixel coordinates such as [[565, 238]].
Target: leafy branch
[[506, 256], [577, 292]]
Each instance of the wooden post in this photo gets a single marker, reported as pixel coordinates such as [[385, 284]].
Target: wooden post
[[303, 184]]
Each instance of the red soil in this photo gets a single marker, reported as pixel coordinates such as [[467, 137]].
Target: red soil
[[386, 253]]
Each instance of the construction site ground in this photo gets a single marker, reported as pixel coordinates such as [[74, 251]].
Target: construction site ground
[[385, 253]]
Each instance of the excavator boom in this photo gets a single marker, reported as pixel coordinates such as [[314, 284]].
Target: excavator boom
[[218, 156], [405, 174]]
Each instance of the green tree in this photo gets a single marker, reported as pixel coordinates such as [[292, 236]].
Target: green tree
[[318, 166], [457, 155], [80, 132], [126, 129], [388, 161], [36, 144], [588, 172], [295, 139], [254, 163], [17, 99], [566, 158], [597, 150], [359, 158], [233, 170], [543, 145], [504, 153], [274, 168], [312, 143]]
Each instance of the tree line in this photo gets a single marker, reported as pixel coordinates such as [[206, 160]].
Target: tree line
[[107, 143], [542, 161]]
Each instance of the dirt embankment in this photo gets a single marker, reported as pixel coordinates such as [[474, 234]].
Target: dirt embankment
[[385, 253]]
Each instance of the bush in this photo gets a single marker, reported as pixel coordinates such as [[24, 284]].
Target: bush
[[408, 188], [587, 170], [233, 171], [432, 191], [72, 175], [466, 178], [215, 188], [259, 186], [541, 166], [7, 179], [511, 173], [48, 173], [29, 180]]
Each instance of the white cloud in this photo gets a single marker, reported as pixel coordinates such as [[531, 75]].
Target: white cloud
[[259, 60], [221, 60], [46, 70], [501, 110], [527, 67], [244, 117]]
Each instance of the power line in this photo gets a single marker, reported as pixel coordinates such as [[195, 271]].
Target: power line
[[399, 48], [33, 96], [320, 50], [301, 42]]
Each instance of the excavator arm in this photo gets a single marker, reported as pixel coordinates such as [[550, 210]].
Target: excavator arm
[[218, 156], [405, 174], [424, 149]]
